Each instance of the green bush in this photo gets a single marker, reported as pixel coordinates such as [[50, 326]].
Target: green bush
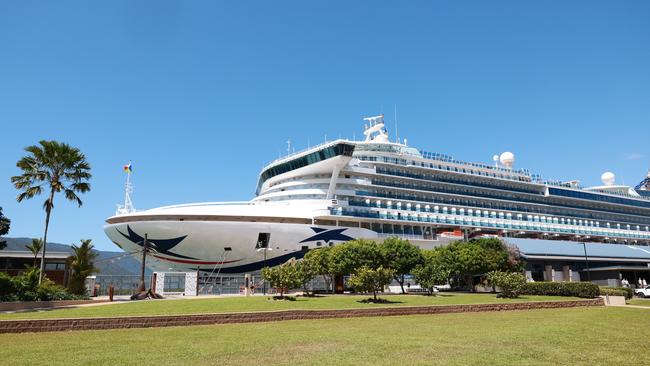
[[7, 287], [617, 291], [575, 289], [25, 287], [510, 283]]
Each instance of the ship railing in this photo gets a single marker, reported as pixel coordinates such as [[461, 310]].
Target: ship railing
[[498, 223], [200, 204], [296, 153]]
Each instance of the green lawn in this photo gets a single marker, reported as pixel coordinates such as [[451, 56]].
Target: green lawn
[[639, 302], [576, 336], [259, 303]]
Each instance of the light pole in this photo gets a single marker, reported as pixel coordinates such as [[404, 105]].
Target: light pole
[[145, 244], [265, 249], [584, 246]]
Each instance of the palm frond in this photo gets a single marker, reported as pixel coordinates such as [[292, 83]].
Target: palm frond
[[71, 196]]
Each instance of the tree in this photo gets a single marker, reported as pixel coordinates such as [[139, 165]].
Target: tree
[[81, 263], [366, 279], [35, 248], [401, 256], [465, 259], [5, 223], [347, 258], [431, 272], [510, 283], [305, 272], [53, 167], [282, 277], [321, 263]]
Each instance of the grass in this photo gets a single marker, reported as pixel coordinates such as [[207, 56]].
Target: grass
[[576, 336], [260, 303], [639, 302]]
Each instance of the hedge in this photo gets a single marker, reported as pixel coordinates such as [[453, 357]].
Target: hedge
[[574, 289], [617, 291]]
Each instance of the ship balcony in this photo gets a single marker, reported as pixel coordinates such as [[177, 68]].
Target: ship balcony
[[492, 221]]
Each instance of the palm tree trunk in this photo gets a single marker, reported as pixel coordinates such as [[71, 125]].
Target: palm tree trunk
[[47, 223]]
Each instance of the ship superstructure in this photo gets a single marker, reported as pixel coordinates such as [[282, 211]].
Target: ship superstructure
[[375, 188]]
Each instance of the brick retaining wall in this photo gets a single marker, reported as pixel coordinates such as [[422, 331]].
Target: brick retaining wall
[[51, 325], [30, 305]]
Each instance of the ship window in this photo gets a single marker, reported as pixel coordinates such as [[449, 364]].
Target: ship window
[[304, 248], [263, 240]]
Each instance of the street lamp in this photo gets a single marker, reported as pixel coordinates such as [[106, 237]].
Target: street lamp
[[265, 249], [584, 246], [145, 244]]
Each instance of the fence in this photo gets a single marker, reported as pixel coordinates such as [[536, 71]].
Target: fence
[[122, 284], [207, 285]]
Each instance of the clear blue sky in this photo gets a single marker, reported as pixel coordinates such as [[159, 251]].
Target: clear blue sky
[[200, 95]]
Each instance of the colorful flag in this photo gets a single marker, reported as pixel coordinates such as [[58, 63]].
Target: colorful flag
[[128, 168]]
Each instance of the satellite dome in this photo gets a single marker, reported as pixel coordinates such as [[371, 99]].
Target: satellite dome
[[608, 178], [507, 159]]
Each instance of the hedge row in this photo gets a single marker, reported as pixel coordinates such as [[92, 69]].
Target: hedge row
[[574, 289], [617, 291]]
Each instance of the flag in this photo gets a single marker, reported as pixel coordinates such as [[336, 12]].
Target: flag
[[128, 168]]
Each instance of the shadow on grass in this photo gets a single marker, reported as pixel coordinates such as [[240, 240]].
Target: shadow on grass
[[379, 301]]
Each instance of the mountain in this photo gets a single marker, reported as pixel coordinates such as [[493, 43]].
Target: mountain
[[108, 263]]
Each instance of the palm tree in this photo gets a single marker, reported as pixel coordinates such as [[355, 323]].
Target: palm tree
[[35, 248], [53, 167], [4, 228], [81, 263]]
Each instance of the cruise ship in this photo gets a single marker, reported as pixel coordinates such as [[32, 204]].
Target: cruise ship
[[377, 188]]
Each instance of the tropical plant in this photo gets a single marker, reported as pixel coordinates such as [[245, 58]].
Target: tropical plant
[[431, 272], [4, 228], [25, 287], [35, 247], [53, 167], [367, 279], [401, 256], [282, 277], [511, 284], [81, 263]]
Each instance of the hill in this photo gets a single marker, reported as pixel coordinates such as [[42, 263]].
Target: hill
[[108, 262]]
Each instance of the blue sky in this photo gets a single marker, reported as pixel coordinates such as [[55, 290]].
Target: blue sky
[[200, 95]]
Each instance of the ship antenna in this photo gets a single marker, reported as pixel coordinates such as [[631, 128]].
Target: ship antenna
[[128, 189], [288, 147], [396, 134]]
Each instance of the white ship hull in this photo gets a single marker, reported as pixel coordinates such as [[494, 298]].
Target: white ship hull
[[207, 239]]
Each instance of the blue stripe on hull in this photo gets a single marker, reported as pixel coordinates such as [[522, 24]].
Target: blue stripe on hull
[[256, 266]]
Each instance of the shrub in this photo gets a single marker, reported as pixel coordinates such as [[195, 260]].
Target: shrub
[[7, 287], [25, 287], [575, 289], [617, 291], [510, 283]]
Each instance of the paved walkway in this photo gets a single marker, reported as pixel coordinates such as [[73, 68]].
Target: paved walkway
[[631, 306]]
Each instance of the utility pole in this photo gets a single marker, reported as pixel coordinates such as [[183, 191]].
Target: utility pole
[[584, 246], [263, 280], [145, 245]]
